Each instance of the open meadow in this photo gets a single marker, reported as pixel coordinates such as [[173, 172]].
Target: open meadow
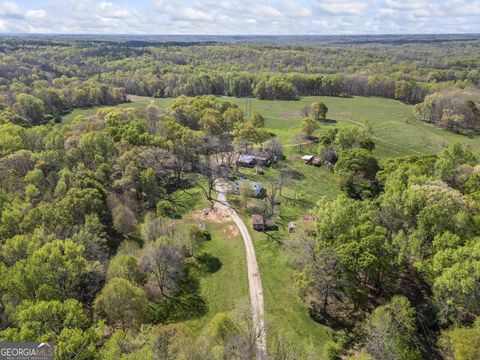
[[395, 131]]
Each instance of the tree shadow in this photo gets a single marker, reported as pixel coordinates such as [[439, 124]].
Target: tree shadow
[[328, 121], [185, 305], [183, 202], [333, 321], [207, 263], [294, 174], [300, 202]]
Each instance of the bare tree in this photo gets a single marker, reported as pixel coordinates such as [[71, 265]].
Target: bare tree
[[165, 264], [272, 196], [299, 141], [210, 173]]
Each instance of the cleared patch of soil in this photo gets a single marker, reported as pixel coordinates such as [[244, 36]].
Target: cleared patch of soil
[[217, 215], [232, 230]]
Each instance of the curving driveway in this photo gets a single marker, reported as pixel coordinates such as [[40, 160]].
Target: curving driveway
[[254, 281]]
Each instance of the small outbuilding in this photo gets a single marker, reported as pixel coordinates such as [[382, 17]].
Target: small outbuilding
[[316, 161], [260, 223], [312, 160], [291, 226], [307, 158]]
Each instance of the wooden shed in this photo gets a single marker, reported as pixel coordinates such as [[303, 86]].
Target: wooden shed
[[316, 161], [259, 223]]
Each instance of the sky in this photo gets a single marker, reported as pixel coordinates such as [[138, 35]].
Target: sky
[[240, 17]]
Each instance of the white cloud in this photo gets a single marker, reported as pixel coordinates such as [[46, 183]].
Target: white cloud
[[109, 10], [35, 14], [188, 13], [9, 9], [406, 4], [344, 7], [240, 17]]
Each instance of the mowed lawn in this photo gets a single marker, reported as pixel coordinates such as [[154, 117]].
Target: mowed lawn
[[395, 131], [226, 286]]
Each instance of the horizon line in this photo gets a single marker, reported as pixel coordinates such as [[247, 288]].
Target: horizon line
[[225, 35]]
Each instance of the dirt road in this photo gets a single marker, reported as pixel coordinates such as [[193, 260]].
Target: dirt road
[[254, 281]]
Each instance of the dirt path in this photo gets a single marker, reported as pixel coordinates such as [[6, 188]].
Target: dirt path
[[254, 281]]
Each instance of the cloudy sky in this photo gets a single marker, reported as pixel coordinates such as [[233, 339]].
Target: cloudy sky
[[266, 17]]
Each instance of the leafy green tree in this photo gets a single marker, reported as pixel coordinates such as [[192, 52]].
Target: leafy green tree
[[125, 266], [257, 120], [124, 220], [455, 287], [122, 305], [196, 237], [450, 159], [95, 149], [12, 138], [348, 137], [45, 320], [211, 122], [53, 272], [461, 343], [232, 117], [356, 170], [389, 331], [30, 107], [318, 110], [149, 186], [8, 116], [309, 126]]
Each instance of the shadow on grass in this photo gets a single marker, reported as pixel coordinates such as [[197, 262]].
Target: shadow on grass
[[187, 304], [209, 263], [184, 202], [328, 121], [299, 202], [294, 174]]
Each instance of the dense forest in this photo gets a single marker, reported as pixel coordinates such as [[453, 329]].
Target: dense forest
[[62, 74], [94, 255]]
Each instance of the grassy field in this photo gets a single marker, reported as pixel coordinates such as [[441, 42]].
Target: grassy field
[[285, 313], [395, 131], [226, 285]]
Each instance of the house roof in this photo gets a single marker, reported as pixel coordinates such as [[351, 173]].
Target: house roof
[[246, 158], [257, 219], [253, 184]]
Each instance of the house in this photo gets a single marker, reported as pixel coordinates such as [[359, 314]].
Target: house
[[259, 223], [250, 160], [257, 188], [263, 160], [246, 161]]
